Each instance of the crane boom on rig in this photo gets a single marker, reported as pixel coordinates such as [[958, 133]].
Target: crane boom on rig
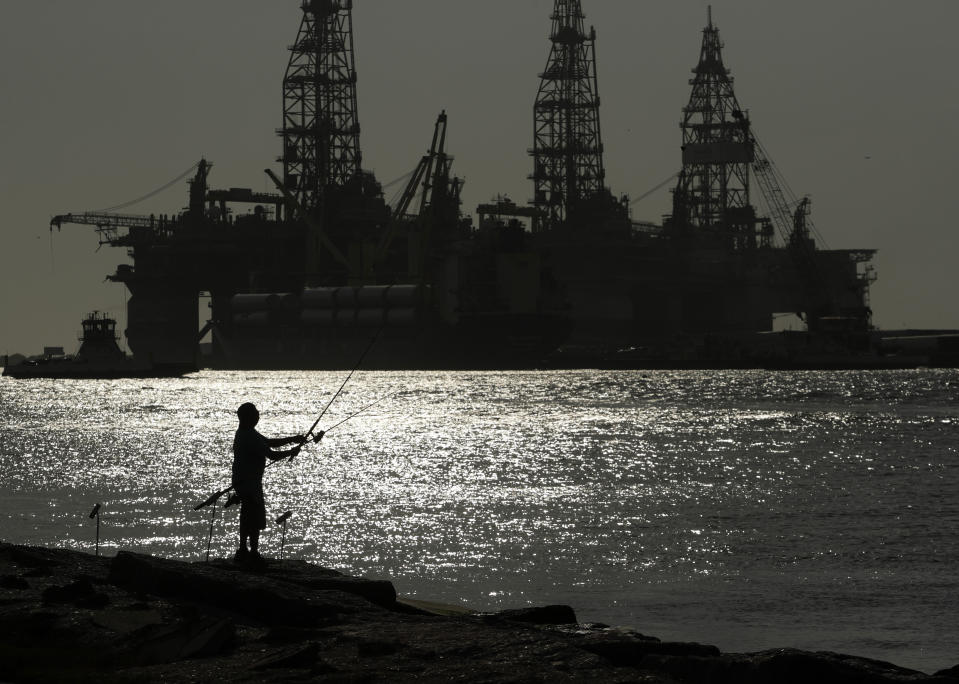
[[434, 182], [108, 225], [790, 216]]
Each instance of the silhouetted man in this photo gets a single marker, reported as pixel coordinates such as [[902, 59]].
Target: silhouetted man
[[250, 452]]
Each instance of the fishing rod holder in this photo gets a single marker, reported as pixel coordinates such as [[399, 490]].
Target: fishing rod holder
[[209, 539], [282, 521], [95, 513]]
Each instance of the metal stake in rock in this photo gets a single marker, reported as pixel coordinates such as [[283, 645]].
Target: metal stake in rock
[[95, 513], [209, 539], [282, 521]]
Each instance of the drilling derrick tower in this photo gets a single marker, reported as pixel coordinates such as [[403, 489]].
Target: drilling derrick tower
[[568, 148], [730, 276], [712, 193], [321, 131], [341, 205]]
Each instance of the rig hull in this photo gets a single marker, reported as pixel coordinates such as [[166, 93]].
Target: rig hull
[[482, 344]]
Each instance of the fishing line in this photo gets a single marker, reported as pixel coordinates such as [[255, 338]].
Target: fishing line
[[330, 403], [354, 415]]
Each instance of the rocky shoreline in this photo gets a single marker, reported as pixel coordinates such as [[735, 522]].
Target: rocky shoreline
[[72, 617]]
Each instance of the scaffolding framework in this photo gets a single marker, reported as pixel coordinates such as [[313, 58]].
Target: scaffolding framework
[[713, 187], [568, 149], [321, 131]]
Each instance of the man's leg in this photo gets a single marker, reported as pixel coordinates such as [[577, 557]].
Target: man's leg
[[257, 523], [242, 552]]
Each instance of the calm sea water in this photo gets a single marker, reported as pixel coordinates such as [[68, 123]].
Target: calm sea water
[[747, 509]]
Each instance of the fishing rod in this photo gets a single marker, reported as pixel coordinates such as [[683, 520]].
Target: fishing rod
[[330, 402]]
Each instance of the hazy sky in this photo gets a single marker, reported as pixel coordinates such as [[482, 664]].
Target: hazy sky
[[105, 100]]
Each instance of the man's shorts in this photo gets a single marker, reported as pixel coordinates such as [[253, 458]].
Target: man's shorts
[[252, 509]]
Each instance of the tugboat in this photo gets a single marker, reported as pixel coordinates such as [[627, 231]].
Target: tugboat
[[99, 356]]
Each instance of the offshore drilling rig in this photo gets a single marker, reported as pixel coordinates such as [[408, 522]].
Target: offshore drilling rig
[[700, 287], [586, 236], [714, 214], [323, 265]]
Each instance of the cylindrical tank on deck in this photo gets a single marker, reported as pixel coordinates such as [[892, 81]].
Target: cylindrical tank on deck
[[243, 303], [370, 317], [402, 295], [401, 317], [318, 317], [345, 317], [318, 298], [255, 319], [371, 296], [345, 298]]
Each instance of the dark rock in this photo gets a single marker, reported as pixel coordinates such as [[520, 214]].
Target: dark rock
[[273, 600], [299, 658], [75, 591], [785, 666], [13, 582], [41, 562], [632, 650], [94, 601], [175, 621], [29, 627], [951, 673], [540, 615], [284, 634], [209, 638], [791, 666], [28, 557], [126, 621], [713, 670], [372, 648], [172, 643], [309, 576]]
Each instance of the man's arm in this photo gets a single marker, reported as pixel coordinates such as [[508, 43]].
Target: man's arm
[[283, 441], [280, 455]]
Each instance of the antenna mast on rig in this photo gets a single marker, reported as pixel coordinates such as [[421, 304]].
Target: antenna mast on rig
[[568, 149], [321, 131]]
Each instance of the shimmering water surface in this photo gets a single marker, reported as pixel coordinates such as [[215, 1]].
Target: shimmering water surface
[[747, 509]]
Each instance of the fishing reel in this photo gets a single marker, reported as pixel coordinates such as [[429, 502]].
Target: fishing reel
[[316, 439]]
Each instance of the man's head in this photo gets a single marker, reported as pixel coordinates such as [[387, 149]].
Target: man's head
[[248, 415]]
